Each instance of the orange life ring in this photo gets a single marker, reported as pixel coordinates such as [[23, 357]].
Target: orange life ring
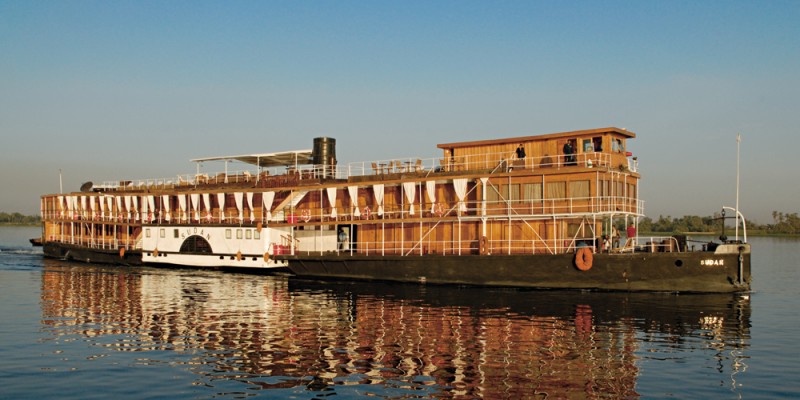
[[266, 256], [238, 256], [367, 213], [305, 215], [259, 226], [121, 252], [155, 252], [583, 258], [438, 209], [483, 244]]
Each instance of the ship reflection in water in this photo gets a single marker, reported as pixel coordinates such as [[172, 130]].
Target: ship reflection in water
[[248, 334]]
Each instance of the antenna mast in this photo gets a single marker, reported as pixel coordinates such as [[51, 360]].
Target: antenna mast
[[738, 145]]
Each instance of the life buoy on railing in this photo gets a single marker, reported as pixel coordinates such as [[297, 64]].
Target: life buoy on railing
[[483, 246], [155, 252], [121, 252], [366, 213], [305, 215], [238, 256], [438, 209], [266, 256], [583, 258]]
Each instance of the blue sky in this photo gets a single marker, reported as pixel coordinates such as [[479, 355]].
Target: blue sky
[[112, 90]]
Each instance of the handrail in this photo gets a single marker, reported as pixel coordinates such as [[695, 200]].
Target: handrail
[[744, 223], [654, 244], [485, 161]]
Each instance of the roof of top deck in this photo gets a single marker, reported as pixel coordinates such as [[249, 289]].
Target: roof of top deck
[[281, 159], [520, 139]]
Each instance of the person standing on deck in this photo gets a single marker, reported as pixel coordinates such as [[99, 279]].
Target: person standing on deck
[[568, 150], [631, 234], [342, 240], [520, 152]]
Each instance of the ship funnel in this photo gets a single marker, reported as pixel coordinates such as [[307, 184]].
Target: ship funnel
[[324, 155]]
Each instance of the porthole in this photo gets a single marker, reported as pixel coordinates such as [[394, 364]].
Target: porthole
[[678, 263]]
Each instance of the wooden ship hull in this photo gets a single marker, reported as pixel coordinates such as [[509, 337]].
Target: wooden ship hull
[[536, 211]]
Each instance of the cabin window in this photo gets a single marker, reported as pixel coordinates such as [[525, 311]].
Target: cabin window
[[556, 190], [492, 194], [597, 142], [227, 233], [588, 146], [147, 232], [617, 146], [631, 190], [162, 233], [579, 189], [175, 233], [257, 235], [604, 191], [248, 234], [532, 191], [238, 233], [513, 192]]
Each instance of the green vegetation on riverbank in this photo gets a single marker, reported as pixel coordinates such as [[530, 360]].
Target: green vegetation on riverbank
[[783, 224], [19, 219]]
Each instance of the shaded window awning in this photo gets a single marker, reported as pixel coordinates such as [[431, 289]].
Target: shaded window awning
[[265, 160]]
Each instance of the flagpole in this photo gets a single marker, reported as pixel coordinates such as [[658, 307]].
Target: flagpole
[[738, 145]]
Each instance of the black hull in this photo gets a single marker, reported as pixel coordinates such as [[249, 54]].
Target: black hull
[[68, 252], [652, 272]]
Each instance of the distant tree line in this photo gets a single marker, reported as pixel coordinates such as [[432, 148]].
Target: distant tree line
[[19, 219], [783, 223]]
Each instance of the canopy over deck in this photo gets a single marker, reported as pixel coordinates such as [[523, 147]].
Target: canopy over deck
[[266, 160]]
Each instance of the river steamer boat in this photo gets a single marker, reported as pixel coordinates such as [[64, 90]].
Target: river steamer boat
[[534, 211]]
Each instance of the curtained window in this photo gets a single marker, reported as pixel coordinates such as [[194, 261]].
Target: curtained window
[[579, 189], [556, 190]]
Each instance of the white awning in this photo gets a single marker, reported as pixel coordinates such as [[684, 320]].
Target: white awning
[[282, 159]]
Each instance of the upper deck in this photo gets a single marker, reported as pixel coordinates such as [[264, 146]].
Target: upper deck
[[547, 154]]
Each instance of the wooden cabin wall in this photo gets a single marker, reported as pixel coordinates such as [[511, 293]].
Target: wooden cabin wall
[[492, 154]]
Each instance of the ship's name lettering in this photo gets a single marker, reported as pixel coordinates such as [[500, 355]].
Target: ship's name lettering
[[712, 263], [195, 231]]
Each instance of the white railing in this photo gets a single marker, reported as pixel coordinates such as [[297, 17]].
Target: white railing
[[650, 244], [502, 162], [499, 209]]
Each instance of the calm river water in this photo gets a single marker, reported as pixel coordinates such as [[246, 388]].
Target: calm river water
[[85, 331]]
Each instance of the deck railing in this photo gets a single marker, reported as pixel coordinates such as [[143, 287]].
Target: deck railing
[[499, 162], [499, 209], [559, 245]]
